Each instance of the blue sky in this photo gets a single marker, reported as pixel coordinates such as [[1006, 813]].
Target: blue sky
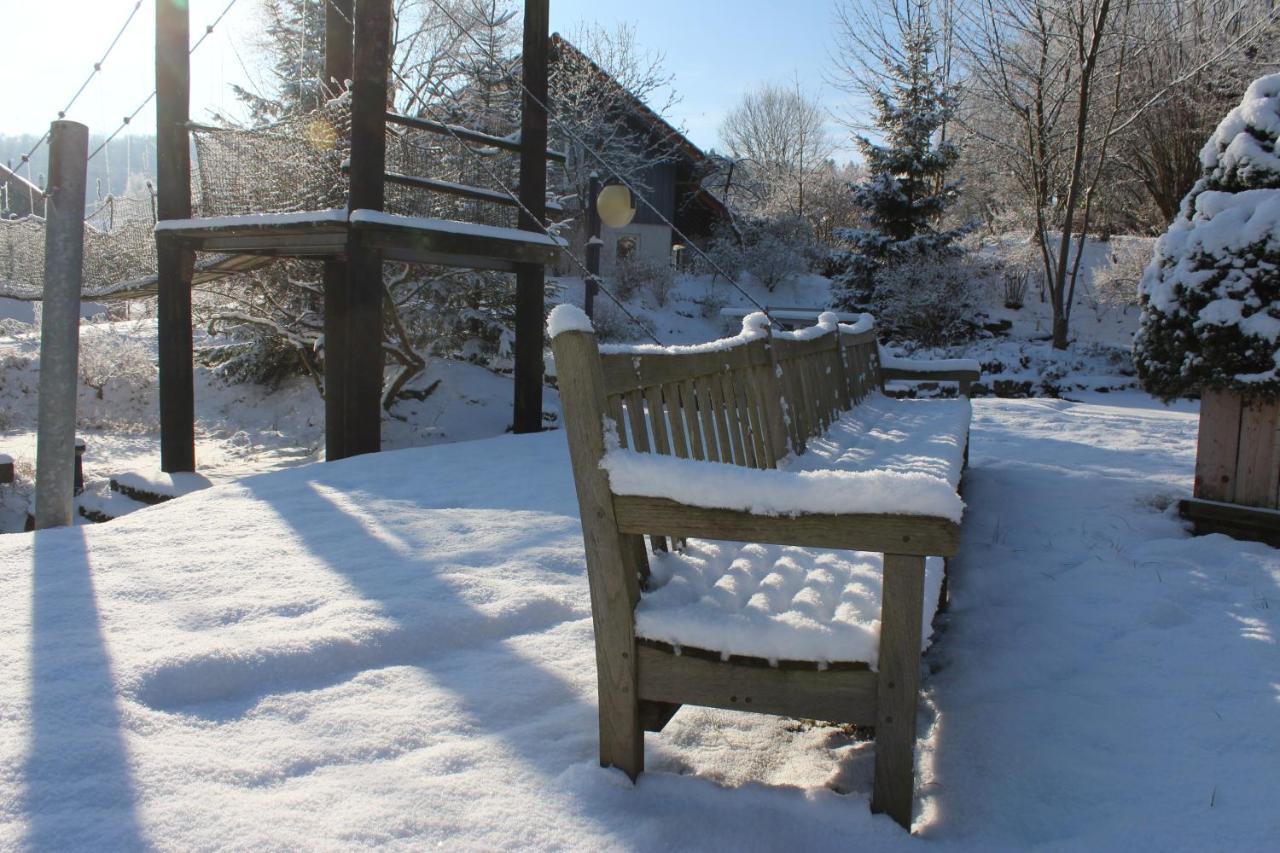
[[717, 49]]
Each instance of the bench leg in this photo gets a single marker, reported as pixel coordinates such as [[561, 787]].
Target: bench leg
[[621, 721], [901, 618]]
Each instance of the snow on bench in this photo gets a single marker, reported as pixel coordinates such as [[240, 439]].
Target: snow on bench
[[783, 441]]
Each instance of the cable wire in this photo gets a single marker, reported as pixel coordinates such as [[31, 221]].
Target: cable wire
[[600, 159], [208, 31], [97, 66]]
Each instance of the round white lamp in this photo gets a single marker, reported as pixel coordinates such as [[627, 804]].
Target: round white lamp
[[615, 206]]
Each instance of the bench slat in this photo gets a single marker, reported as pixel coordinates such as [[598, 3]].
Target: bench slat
[[835, 695], [920, 535]]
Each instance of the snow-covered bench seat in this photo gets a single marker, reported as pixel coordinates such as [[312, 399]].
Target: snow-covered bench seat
[[785, 442]]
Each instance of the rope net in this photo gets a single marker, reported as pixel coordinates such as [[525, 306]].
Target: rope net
[[291, 166]]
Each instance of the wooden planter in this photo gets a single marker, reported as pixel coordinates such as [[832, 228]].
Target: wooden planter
[[1237, 488]]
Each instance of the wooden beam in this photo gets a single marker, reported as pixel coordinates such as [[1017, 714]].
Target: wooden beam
[[175, 262], [469, 135], [834, 695], [1241, 522], [460, 190], [530, 278], [362, 384], [903, 534]]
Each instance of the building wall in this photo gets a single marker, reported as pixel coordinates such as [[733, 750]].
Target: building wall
[[653, 244]]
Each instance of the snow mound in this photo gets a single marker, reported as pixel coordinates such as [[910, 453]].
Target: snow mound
[[568, 318], [773, 601]]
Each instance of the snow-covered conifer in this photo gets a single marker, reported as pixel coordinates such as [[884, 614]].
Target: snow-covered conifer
[[1211, 294]]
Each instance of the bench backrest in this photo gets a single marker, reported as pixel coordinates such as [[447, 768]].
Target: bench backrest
[[744, 401]]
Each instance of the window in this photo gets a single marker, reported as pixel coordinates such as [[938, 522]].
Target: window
[[628, 247]]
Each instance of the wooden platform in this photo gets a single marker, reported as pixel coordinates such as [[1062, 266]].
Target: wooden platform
[[325, 234], [1234, 520]]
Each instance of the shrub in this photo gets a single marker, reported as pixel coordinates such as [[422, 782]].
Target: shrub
[[930, 301], [613, 326], [634, 274], [1211, 295], [110, 356]]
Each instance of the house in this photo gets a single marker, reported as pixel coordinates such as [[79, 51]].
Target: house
[[674, 183]]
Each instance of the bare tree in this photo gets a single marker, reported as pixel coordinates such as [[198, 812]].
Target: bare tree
[[780, 138]]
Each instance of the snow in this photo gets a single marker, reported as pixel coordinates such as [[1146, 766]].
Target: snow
[[396, 650], [886, 456], [935, 365], [1232, 146], [262, 220], [567, 318], [377, 217], [6, 459], [755, 326], [773, 601], [161, 483]]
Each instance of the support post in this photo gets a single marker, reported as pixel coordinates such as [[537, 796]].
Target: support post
[[60, 324], [339, 34], [175, 262], [530, 278], [361, 348], [898, 686], [593, 245], [613, 558]]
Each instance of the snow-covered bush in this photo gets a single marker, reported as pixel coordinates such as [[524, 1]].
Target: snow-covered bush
[[932, 302], [770, 250], [1211, 295], [111, 356], [613, 326], [1115, 284], [633, 275]]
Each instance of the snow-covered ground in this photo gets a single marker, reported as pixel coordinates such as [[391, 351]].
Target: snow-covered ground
[[397, 650]]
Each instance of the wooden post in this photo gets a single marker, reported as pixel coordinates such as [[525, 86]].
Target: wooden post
[[612, 558], [339, 36], [362, 347], [898, 686], [339, 33], [533, 196], [1218, 447], [60, 324], [174, 262], [592, 284]]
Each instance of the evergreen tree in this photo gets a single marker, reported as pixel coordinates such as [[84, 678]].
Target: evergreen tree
[[1211, 295], [906, 192], [293, 42]]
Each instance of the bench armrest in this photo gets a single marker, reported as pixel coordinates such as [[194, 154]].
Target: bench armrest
[[886, 533]]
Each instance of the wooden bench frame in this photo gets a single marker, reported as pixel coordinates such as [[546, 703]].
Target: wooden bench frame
[[762, 398]]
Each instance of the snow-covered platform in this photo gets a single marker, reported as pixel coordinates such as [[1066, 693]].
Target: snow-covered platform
[[396, 650]]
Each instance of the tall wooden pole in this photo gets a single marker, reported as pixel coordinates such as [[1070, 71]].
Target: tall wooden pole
[[363, 344], [592, 284], [60, 324], [338, 44], [530, 310], [174, 262], [338, 68]]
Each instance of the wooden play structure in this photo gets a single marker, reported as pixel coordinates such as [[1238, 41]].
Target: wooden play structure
[[1237, 485], [749, 404], [354, 239]]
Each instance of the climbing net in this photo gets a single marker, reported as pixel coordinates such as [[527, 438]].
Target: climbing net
[[293, 165]]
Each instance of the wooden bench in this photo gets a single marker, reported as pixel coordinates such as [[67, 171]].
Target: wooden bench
[[727, 426]]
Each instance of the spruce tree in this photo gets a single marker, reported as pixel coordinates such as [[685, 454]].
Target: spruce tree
[[1211, 295], [906, 191], [293, 39]]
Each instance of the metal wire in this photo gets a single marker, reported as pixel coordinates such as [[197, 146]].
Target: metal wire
[[603, 162], [97, 66], [208, 31]]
